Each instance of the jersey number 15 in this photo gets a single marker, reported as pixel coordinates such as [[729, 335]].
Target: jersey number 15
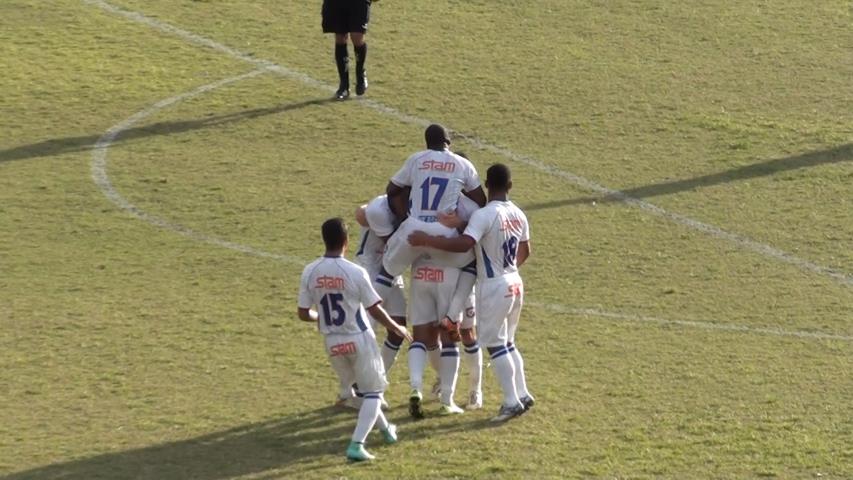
[[331, 303]]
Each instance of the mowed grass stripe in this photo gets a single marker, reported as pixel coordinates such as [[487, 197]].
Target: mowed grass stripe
[[101, 178], [743, 242]]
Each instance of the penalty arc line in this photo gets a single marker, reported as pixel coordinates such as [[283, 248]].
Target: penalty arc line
[[769, 251], [102, 180]]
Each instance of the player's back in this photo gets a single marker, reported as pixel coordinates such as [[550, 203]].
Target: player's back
[[437, 178], [498, 227], [339, 288]]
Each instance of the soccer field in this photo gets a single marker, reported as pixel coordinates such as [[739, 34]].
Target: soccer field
[[687, 169]]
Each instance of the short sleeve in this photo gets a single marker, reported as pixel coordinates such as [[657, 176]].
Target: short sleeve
[[403, 177], [478, 224], [379, 217], [525, 231], [472, 179], [305, 300], [367, 293]]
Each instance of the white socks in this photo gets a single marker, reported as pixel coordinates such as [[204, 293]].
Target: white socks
[[505, 371], [368, 415], [417, 362], [474, 363], [520, 381], [389, 354], [448, 371]]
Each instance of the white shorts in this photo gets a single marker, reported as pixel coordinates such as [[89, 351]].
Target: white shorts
[[499, 302], [394, 302], [399, 253], [356, 359], [469, 315], [431, 290]]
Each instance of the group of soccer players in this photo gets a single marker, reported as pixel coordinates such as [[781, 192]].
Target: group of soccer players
[[436, 220]]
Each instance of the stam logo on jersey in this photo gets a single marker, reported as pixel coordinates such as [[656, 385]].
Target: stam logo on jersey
[[437, 166], [329, 283], [427, 274]]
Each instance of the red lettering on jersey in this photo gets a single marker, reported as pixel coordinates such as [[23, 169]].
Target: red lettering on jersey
[[511, 223], [449, 167], [427, 274], [330, 283], [342, 349], [513, 290]]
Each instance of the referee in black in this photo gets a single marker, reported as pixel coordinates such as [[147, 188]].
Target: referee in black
[[348, 18]]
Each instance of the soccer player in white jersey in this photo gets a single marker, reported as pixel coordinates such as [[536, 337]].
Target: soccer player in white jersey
[[432, 287], [459, 320], [500, 234], [436, 178], [341, 289], [377, 224]]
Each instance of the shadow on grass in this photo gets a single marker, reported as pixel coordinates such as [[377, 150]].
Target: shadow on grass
[[839, 154], [59, 146], [292, 443]]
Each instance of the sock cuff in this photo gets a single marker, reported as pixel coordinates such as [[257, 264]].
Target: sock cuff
[[450, 351], [471, 268], [419, 345], [392, 346], [496, 352], [384, 280], [473, 348]]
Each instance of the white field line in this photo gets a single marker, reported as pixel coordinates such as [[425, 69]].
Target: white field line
[[631, 318], [102, 180], [584, 183]]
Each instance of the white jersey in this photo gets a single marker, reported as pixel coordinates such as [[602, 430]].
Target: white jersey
[[340, 289], [380, 221], [498, 228], [437, 178], [466, 208]]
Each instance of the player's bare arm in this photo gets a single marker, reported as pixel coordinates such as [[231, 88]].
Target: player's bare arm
[[307, 314], [382, 317], [361, 216], [478, 195], [523, 253], [462, 243], [452, 220]]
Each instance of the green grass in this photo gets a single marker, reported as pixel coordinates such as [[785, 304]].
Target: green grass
[[133, 352]]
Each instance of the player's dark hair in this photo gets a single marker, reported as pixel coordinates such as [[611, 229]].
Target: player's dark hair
[[334, 233], [436, 137], [498, 177]]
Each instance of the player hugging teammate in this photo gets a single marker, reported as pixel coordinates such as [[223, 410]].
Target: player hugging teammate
[[436, 219]]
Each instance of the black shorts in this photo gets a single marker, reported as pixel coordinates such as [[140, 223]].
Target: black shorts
[[344, 16]]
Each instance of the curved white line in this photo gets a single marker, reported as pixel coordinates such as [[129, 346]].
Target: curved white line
[[744, 242], [102, 180]]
